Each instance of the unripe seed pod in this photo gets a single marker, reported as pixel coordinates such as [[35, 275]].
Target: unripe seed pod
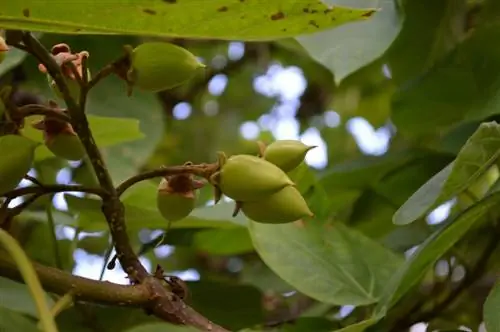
[[174, 206], [286, 154], [66, 145], [249, 178], [19, 153], [158, 66], [287, 205]]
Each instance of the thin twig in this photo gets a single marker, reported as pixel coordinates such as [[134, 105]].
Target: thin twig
[[203, 170], [35, 109], [59, 282], [52, 188], [101, 74], [33, 180]]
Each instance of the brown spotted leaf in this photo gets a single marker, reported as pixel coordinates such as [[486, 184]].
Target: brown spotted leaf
[[215, 19]]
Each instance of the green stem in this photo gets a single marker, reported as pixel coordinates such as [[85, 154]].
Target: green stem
[[52, 226], [31, 280], [63, 303]]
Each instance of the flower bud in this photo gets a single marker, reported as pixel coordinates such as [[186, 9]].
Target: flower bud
[[286, 154], [287, 205], [158, 66], [249, 178]]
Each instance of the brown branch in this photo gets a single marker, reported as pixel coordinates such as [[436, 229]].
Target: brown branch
[[59, 282], [203, 170], [51, 189], [164, 303], [35, 109]]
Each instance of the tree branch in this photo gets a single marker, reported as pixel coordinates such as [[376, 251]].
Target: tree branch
[[51, 189], [29, 110], [203, 170], [59, 282]]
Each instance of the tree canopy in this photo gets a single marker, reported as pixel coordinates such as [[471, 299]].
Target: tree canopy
[[140, 192]]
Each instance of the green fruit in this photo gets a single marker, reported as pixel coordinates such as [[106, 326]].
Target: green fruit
[[67, 146], [286, 154], [158, 66], [287, 205], [18, 152], [174, 206], [249, 178]]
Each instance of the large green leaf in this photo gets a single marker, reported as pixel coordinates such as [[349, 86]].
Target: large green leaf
[[230, 305], [365, 171], [462, 87], [222, 19], [478, 154], [351, 46], [232, 241], [17, 297], [431, 250], [18, 153], [429, 31], [491, 310], [11, 321], [329, 262]]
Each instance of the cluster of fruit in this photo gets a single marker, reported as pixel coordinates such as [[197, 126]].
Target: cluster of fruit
[[259, 184]]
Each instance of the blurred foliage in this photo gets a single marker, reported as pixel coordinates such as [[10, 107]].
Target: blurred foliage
[[404, 109]]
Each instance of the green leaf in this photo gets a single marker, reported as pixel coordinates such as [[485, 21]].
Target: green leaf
[[364, 171], [462, 87], [104, 318], [39, 247], [11, 321], [328, 262], [230, 305], [430, 30], [423, 199], [307, 324], [13, 58], [20, 151], [352, 46], [491, 310], [110, 131], [161, 327], [221, 19], [107, 131], [261, 276], [17, 297], [360, 326], [478, 154], [233, 241], [431, 250]]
